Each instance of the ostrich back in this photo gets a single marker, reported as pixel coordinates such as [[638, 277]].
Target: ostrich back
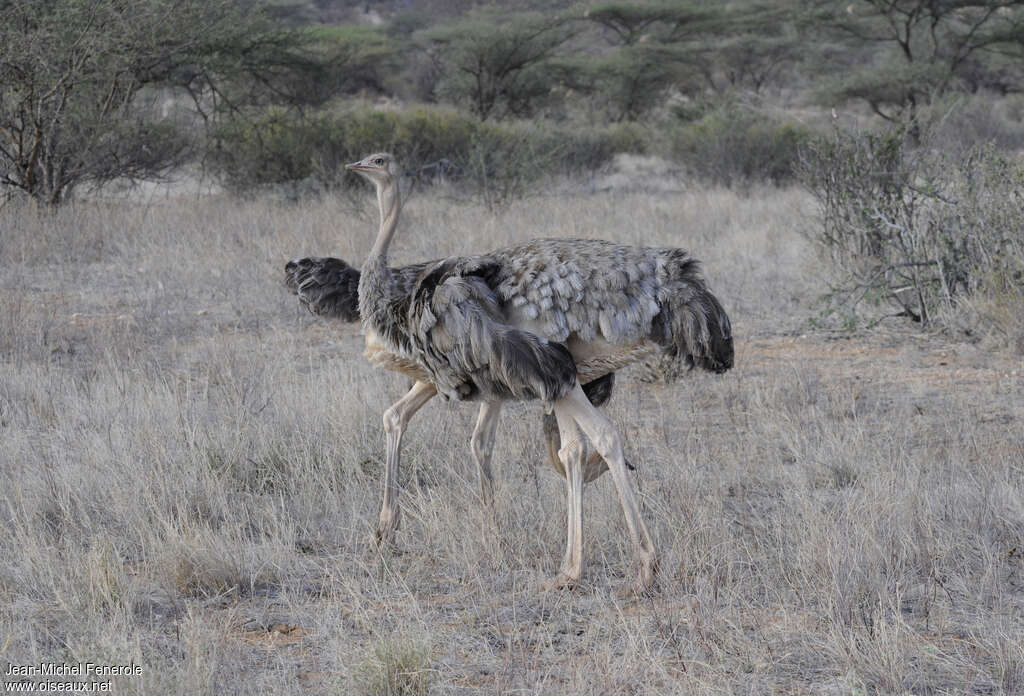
[[614, 303]]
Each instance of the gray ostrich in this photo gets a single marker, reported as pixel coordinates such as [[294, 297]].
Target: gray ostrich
[[329, 287], [532, 322]]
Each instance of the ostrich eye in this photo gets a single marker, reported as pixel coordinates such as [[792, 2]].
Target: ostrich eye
[[379, 161]]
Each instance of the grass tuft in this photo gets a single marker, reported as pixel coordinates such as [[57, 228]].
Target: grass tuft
[[399, 666]]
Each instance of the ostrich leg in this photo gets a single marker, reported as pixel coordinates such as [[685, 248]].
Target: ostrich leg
[[482, 446], [396, 419], [575, 409], [571, 456]]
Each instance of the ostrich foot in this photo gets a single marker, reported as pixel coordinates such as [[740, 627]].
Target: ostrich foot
[[384, 537], [386, 547], [562, 581]]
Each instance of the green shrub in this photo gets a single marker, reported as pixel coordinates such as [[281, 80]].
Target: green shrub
[[736, 146], [267, 149], [275, 146], [496, 162], [588, 150]]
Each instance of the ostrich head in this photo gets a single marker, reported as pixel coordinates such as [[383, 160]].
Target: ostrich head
[[379, 168]]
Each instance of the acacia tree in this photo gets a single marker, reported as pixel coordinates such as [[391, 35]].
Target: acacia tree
[[750, 44], [72, 71], [629, 23], [498, 62], [918, 50], [649, 53], [688, 46], [298, 68]]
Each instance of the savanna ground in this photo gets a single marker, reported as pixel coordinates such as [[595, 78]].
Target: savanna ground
[[191, 473]]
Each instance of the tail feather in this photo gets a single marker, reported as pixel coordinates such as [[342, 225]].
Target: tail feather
[[692, 324], [325, 286]]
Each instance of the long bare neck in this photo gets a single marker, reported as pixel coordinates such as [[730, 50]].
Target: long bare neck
[[376, 285], [390, 203]]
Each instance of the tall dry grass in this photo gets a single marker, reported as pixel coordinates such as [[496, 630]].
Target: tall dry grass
[[191, 468]]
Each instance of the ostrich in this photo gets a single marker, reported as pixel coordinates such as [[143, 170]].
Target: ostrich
[[532, 322], [328, 287]]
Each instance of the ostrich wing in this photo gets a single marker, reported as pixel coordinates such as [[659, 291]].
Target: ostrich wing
[[459, 331]]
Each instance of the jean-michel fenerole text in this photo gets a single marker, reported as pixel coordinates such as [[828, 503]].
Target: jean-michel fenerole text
[[71, 669]]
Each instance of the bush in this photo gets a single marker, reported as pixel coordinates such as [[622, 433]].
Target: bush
[[509, 162], [931, 233], [584, 151], [275, 146], [495, 162], [736, 146], [267, 149]]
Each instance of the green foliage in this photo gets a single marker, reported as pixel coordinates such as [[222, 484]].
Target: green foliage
[[892, 87], [741, 44], [651, 54], [917, 228], [498, 64], [297, 68], [276, 146], [511, 161], [751, 45], [497, 162], [83, 103], [632, 80], [632, 23], [355, 58], [587, 150], [736, 146], [70, 75]]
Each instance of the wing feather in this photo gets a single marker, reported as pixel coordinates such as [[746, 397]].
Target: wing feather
[[463, 338]]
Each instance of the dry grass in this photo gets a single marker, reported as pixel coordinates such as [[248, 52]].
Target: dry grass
[[191, 468]]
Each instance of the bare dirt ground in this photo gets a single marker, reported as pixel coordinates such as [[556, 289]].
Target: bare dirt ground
[[191, 472]]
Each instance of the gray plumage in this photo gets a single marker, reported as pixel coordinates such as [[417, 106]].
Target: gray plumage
[[328, 287], [587, 289], [325, 286], [491, 326], [458, 329]]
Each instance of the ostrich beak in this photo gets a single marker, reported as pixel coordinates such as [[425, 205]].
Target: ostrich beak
[[354, 167]]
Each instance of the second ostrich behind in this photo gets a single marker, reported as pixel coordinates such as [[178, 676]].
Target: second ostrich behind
[[532, 322]]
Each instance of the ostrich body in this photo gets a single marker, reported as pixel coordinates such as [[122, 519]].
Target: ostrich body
[[328, 287], [526, 322]]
